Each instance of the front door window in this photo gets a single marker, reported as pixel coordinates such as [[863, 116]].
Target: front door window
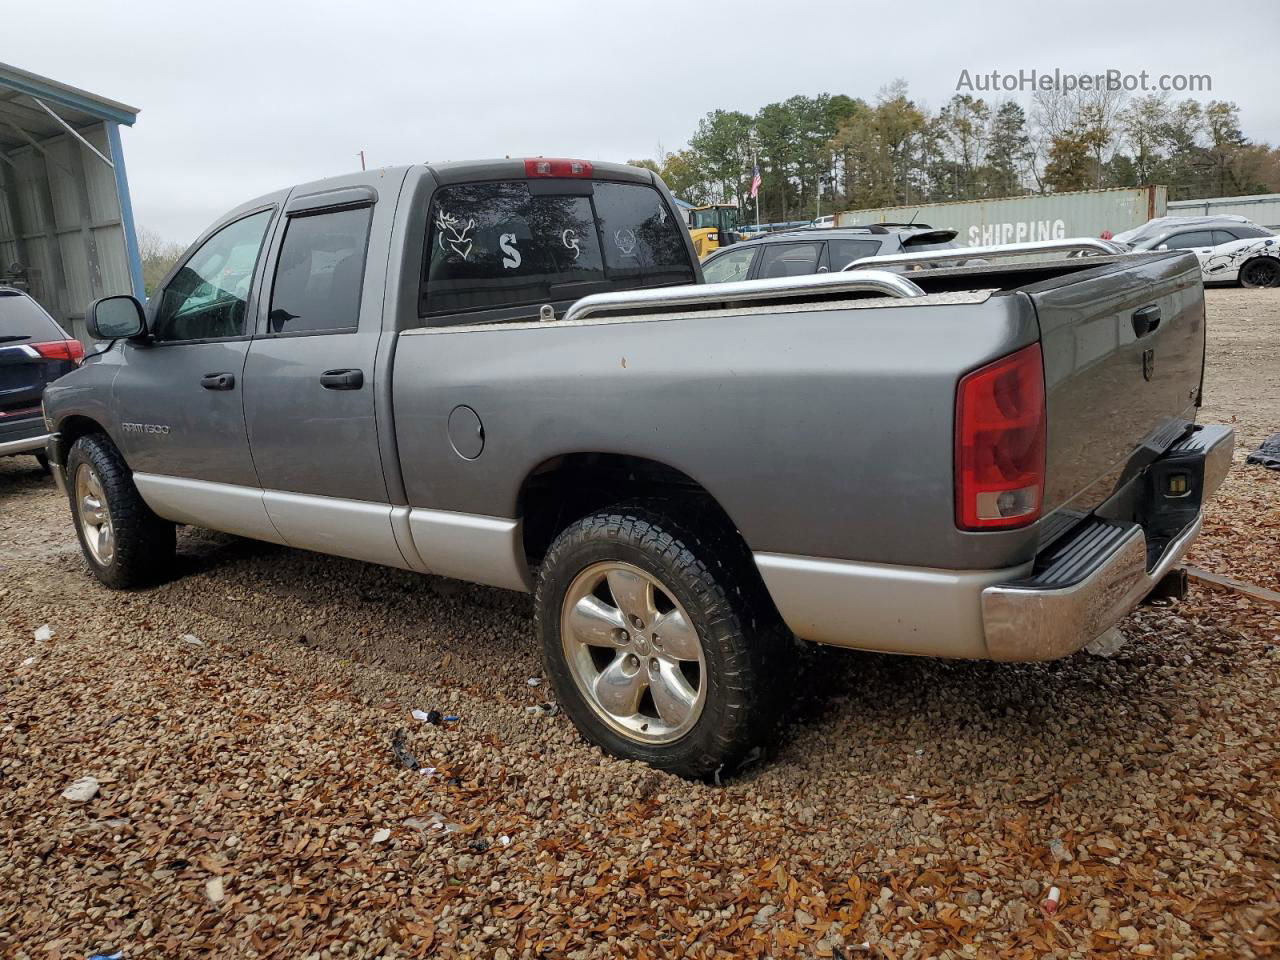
[[208, 297]]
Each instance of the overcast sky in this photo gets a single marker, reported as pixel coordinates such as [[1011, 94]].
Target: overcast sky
[[241, 98]]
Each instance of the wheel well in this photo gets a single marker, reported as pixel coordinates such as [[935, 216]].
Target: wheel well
[[1255, 259], [72, 429], [569, 487]]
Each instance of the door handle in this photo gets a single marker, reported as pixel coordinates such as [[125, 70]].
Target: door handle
[[1146, 319], [342, 379], [218, 381]]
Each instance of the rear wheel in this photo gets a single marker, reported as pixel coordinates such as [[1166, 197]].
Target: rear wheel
[[656, 640], [125, 544], [1261, 272]]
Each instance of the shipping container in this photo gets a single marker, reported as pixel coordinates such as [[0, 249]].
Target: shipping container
[[66, 220], [1087, 213], [1263, 209]]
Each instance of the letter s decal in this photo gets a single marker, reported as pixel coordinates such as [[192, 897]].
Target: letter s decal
[[507, 244]]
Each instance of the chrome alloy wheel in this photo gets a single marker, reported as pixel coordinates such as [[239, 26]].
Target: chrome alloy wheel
[[95, 518], [633, 652]]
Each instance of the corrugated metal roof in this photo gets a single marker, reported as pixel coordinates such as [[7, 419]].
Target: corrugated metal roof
[[54, 91], [19, 92]]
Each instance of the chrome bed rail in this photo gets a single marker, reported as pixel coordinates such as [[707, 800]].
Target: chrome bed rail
[[1084, 245], [776, 288]]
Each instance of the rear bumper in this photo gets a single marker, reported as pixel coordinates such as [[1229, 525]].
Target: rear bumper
[[1036, 623], [1041, 610], [1100, 575]]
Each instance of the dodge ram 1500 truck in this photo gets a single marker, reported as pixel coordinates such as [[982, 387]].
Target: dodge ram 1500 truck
[[509, 372]]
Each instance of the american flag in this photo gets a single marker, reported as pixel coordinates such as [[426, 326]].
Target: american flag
[[755, 182]]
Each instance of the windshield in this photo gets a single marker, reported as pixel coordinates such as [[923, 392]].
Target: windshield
[[717, 218]]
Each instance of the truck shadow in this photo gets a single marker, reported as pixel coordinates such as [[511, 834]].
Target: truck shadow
[[905, 710]]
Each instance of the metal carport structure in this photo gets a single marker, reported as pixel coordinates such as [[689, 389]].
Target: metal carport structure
[[66, 221]]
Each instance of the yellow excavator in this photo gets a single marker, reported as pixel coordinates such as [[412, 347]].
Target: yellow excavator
[[712, 226]]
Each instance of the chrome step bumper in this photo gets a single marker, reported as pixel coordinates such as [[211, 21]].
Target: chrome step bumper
[[1039, 610], [1036, 619]]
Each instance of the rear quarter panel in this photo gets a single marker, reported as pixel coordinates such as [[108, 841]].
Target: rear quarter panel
[[821, 433]]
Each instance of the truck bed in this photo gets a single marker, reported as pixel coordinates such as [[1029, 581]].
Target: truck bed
[[849, 400]]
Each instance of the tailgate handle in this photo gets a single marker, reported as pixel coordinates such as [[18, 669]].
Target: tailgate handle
[[1146, 319]]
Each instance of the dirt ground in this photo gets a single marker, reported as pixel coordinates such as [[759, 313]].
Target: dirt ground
[[239, 720]]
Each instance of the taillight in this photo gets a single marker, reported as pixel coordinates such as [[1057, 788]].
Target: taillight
[[545, 167], [60, 350], [1000, 442]]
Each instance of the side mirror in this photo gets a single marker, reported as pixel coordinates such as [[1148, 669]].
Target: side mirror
[[115, 318]]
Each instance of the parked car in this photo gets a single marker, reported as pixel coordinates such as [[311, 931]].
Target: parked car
[[396, 366], [807, 251], [1228, 253], [1161, 225], [34, 351]]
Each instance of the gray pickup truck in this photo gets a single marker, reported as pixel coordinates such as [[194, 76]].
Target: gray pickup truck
[[509, 372]]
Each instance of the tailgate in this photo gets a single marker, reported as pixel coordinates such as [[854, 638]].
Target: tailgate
[[1123, 355], [23, 375]]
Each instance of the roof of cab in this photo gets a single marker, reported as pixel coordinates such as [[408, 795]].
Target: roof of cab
[[509, 168]]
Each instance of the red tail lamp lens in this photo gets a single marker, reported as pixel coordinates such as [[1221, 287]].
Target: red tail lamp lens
[[1000, 443], [60, 350]]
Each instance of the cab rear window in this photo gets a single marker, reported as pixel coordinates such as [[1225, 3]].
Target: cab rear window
[[492, 246]]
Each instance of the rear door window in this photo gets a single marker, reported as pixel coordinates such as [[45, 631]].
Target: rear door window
[[496, 246], [789, 260], [1236, 233], [844, 252], [1185, 241], [320, 272]]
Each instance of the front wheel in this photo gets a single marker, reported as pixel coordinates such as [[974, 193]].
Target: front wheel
[[656, 640], [124, 543]]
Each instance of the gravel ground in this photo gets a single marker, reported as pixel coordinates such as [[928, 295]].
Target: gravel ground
[[239, 723]]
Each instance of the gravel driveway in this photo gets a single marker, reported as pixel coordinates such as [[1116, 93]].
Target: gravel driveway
[[239, 724]]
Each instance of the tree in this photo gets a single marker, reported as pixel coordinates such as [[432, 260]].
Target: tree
[[721, 143], [882, 151], [837, 149], [1227, 147], [1070, 163], [1010, 152], [1143, 123], [683, 174], [962, 127], [158, 257], [778, 131]]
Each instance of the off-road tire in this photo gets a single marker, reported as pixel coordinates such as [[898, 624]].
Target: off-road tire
[[144, 543], [707, 568]]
